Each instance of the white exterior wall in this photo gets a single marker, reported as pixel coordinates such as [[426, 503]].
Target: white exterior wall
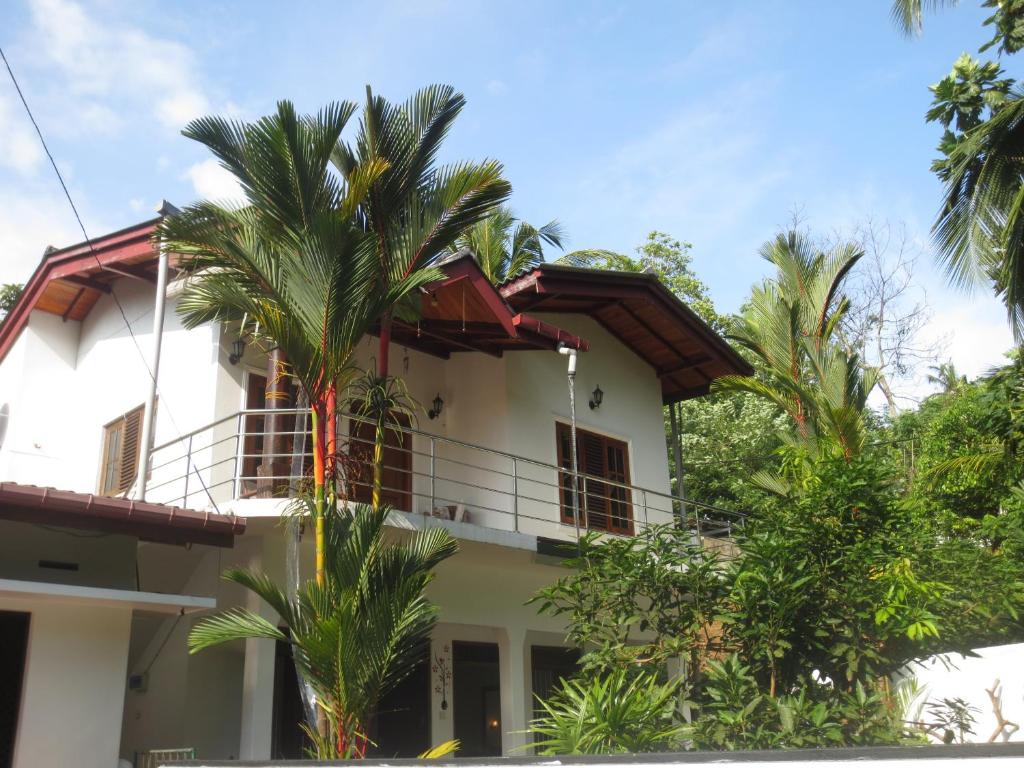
[[955, 676], [73, 686], [65, 380]]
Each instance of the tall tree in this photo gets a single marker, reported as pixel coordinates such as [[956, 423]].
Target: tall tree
[[413, 209], [979, 231], [504, 246], [790, 326], [888, 312], [292, 262]]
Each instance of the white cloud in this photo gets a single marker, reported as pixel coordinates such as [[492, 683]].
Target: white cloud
[[103, 64], [700, 171], [30, 220], [212, 182], [496, 87], [21, 152]]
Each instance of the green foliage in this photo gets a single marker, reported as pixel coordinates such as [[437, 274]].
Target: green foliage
[[504, 246], [789, 326], [9, 295], [356, 636], [789, 641], [737, 715], [971, 93], [727, 438], [613, 713]]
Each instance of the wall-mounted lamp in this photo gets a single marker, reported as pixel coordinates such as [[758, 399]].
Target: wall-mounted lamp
[[237, 350], [438, 404], [595, 398]]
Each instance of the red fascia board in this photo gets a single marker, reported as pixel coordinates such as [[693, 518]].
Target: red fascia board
[[118, 246], [549, 331]]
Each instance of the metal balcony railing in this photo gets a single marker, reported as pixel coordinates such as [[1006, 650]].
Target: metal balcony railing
[[267, 454]]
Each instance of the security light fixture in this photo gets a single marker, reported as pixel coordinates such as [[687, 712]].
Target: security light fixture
[[595, 398], [438, 404], [237, 350]]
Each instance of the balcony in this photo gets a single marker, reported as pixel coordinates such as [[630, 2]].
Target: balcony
[[253, 461]]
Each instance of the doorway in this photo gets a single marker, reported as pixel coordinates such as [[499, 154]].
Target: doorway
[[13, 652], [401, 726], [549, 665], [476, 699], [396, 469]]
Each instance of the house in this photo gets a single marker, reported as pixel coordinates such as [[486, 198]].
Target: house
[[489, 459]]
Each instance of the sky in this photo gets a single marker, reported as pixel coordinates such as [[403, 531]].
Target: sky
[[713, 122]]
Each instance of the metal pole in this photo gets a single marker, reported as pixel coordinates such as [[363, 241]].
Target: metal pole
[[188, 470], [433, 475], [571, 371], [154, 368], [677, 455], [515, 495]]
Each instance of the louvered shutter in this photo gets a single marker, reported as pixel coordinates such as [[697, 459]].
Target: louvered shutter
[[604, 506], [130, 443], [121, 442]]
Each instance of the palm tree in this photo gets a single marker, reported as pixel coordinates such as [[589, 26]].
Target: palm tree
[[293, 262], [946, 377], [908, 15], [356, 635], [980, 229], [414, 210], [790, 325], [504, 246]]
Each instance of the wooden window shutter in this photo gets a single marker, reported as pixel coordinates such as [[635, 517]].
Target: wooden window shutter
[[604, 506], [122, 440]]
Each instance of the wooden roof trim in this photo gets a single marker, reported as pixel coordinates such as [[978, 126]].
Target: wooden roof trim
[[128, 243]]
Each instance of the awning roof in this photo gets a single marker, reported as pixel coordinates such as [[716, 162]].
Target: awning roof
[[686, 354], [150, 522], [464, 312]]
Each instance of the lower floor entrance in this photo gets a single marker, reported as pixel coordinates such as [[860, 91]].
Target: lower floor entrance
[[13, 650], [476, 704]]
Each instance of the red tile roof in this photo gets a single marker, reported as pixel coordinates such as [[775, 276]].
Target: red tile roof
[[148, 521]]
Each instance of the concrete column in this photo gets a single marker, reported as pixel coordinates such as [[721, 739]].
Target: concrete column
[[516, 684], [257, 674]]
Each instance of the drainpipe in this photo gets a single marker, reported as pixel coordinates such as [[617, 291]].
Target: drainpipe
[[571, 353], [159, 305], [677, 455]]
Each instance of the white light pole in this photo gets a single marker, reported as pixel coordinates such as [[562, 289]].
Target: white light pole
[[571, 353]]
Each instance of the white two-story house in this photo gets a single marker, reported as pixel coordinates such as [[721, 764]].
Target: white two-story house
[[489, 458]]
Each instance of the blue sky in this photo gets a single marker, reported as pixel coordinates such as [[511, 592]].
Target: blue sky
[[709, 121]]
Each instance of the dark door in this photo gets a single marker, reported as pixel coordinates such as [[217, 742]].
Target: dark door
[[476, 700], [549, 665], [396, 475], [287, 739], [13, 650], [401, 727]]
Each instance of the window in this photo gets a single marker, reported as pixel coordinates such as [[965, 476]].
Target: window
[[604, 506], [121, 439]]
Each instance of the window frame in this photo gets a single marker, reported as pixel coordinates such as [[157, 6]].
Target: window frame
[[624, 486], [123, 480]]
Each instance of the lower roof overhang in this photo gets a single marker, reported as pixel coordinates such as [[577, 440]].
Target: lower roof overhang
[[150, 602], [147, 521]]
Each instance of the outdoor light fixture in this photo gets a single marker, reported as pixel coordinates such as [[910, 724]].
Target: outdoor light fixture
[[595, 398], [434, 412], [237, 350]]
